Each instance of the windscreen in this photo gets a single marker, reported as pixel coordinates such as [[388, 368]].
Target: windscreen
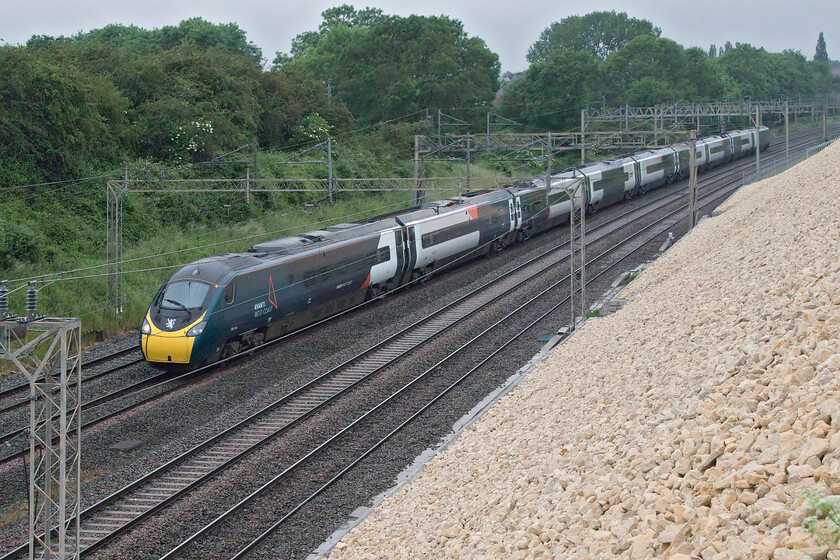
[[185, 294]]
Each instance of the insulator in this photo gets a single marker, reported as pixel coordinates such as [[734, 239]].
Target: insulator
[[31, 300], [4, 300]]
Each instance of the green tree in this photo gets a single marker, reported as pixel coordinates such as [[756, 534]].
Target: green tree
[[713, 51], [334, 19], [599, 33], [650, 70], [821, 53], [754, 73], [173, 78], [286, 97], [382, 67], [551, 93], [57, 122]]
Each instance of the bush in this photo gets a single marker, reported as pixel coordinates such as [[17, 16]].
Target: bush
[[825, 523]]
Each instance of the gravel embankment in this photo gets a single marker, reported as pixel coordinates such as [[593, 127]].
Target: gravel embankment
[[687, 425]]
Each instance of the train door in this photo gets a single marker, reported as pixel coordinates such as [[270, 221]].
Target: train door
[[408, 252], [513, 205], [518, 223], [634, 175]]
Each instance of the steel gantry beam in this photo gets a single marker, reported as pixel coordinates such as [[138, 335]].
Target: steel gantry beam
[[711, 109]]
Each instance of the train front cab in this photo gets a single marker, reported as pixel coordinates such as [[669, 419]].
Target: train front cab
[[175, 320]]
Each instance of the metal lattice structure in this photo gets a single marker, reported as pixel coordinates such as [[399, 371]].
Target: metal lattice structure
[[711, 109], [48, 352], [118, 190], [621, 128], [577, 251], [114, 243]]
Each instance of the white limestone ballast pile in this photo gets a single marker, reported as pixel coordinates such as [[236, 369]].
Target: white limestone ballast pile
[[685, 425]]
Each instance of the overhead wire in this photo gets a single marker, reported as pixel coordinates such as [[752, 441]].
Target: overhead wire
[[63, 274]]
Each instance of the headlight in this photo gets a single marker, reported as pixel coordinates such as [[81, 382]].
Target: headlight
[[146, 328], [198, 329]]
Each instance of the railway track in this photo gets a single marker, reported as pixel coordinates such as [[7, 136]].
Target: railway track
[[214, 537], [23, 388], [183, 474], [162, 384]]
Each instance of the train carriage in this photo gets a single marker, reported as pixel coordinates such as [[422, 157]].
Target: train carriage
[[742, 142], [656, 167], [764, 138], [683, 152], [455, 227], [609, 182], [237, 301], [539, 209], [718, 149]]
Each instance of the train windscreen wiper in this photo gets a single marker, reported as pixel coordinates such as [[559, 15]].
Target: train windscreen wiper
[[179, 304]]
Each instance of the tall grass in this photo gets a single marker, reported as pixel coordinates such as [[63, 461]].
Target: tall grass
[[173, 244]]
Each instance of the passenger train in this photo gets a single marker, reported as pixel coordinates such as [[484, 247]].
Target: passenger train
[[219, 306]]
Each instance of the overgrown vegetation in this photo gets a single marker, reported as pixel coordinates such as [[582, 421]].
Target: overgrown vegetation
[[163, 103], [824, 524], [608, 57]]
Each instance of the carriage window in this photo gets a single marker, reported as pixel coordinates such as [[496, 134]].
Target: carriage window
[[383, 255], [230, 293]]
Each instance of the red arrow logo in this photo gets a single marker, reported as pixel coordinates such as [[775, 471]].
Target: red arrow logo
[[271, 296]]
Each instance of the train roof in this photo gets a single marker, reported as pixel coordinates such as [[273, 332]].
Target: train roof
[[600, 165], [214, 269], [452, 204], [309, 240]]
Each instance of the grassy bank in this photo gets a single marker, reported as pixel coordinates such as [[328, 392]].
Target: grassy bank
[[62, 227], [64, 230]]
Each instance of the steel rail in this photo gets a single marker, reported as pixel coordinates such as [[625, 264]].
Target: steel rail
[[530, 261], [288, 470], [23, 387]]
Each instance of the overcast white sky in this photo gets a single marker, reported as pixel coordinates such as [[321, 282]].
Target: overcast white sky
[[508, 26]]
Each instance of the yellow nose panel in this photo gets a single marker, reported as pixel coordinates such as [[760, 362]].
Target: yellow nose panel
[[166, 347]]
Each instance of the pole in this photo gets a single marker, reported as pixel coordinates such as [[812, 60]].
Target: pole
[[256, 148], [577, 250], [787, 132], [548, 166], [468, 162], [825, 136], [329, 169], [757, 134], [487, 135], [656, 125], [418, 172], [439, 113], [48, 353], [248, 186], [626, 117], [582, 136], [692, 179]]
